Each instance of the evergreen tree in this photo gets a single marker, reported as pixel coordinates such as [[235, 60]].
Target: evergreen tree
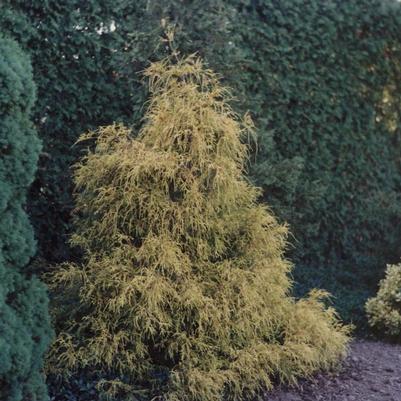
[[24, 322], [184, 287]]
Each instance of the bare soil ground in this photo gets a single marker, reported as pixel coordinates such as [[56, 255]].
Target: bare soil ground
[[371, 372]]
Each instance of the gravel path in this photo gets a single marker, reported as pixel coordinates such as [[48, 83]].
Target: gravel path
[[371, 372]]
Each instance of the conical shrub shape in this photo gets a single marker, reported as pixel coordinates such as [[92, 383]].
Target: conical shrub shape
[[184, 287], [25, 331]]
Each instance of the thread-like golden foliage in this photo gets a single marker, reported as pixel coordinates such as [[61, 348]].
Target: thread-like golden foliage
[[184, 287]]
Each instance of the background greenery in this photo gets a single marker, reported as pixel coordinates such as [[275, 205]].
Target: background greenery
[[319, 77]]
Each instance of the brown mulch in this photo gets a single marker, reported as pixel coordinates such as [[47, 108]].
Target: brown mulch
[[371, 372]]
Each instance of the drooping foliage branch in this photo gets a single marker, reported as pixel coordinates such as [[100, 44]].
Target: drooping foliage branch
[[184, 287], [24, 322]]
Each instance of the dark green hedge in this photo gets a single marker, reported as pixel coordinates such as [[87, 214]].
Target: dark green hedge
[[24, 322], [320, 78], [326, 77]]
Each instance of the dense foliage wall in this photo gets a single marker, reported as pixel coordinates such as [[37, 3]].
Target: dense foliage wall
[[326, 78], [24, 322], [321, 80]]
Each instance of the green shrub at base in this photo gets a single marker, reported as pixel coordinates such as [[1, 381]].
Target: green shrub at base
[[384, 311], [184, 289], [24, 322]]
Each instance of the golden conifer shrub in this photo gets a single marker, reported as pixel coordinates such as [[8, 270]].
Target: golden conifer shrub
[[184, 289], [384, 310]]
